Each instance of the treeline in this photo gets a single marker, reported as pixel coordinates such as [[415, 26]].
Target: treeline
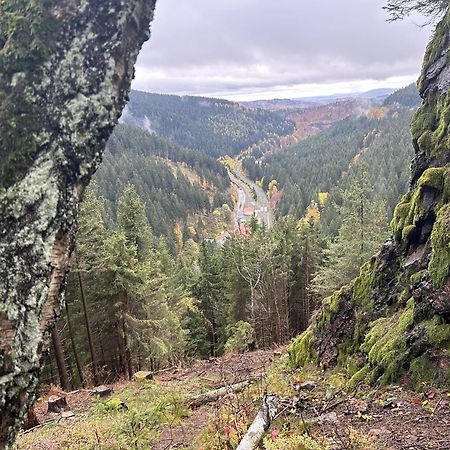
[[130, 305], [157, 170], [407, 96], [214, 126], [138, 142]]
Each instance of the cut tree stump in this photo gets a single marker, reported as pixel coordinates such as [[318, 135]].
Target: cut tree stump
[[56, 404], [103, 391], [260, 425], [212, 396], [142, 375]]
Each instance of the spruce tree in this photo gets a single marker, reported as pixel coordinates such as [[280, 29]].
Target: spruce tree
[[363, 229]]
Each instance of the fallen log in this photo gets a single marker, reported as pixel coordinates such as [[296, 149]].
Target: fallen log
[[212, 396], [267, 412]]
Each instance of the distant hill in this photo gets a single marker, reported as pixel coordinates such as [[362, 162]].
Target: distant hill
[[309, 121], [381, 138], [378, 94], [278, 104], [408, 96], [214, 126], [311, 102]]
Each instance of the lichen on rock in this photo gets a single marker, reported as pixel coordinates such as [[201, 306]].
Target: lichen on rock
[[65, 72]]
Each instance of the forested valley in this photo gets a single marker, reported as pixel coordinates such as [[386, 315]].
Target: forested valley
[[160, 273]]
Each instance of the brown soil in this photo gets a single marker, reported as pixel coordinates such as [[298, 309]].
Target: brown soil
[[392, 418], [215, 373]]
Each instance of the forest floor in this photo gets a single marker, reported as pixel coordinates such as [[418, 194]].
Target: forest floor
[[319, 415]]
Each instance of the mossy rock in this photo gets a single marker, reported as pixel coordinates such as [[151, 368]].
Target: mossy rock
[[301, 352], [439, 266], [363, 285], [438, 332], [433, 177], [385, 345]]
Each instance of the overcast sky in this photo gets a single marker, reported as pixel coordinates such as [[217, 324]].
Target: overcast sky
[[261, 49]]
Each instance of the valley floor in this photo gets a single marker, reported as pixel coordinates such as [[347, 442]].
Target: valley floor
[[317, 415]]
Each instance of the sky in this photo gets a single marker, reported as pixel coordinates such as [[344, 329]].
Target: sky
[[262, 49]]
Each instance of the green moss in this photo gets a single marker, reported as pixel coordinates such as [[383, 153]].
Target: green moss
[[335, 301], [438, 332], [410, 210], [422, 371], [385, 343], [417, 277], [407, 213], [400, 214], [432, 177], [361, 375], [408, 232], [439, 266], [430, 124], [301, 352], [363, 285]]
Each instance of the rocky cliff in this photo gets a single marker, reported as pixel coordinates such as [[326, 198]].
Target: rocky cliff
[[65, 72], [394, 319]]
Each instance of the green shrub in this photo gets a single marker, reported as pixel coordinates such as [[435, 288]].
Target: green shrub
[[242, 337]]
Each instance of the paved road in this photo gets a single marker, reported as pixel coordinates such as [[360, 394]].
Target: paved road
[[246, 200]]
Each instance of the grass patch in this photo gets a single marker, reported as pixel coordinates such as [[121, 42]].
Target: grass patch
[[150, 407]]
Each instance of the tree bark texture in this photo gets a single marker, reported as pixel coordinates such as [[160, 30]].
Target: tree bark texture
[[65, 72], [260, 425]]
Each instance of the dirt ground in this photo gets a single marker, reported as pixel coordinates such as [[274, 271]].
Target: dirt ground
[[392, 418]]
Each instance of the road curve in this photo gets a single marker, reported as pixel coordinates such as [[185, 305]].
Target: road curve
[[261, 205]]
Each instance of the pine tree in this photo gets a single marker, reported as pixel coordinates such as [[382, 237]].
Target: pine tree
[[363, 229], [133, 221]]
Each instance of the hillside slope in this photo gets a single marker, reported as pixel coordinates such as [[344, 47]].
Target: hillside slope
[[214, 126], [320, 163], [174, 182], [393, 320]]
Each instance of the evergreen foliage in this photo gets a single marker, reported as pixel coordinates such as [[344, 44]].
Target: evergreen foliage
[[213, 126], [317, 164]]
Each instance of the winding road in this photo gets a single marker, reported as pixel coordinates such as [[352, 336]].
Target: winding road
[[247, 205]]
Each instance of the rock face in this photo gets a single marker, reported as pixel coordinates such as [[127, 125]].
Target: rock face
[[394, 319], [65, 73]]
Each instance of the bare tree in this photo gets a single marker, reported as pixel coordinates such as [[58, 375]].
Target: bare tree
[[398, 9]]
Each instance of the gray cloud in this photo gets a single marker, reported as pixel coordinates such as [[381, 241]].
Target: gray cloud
[[239, 47]]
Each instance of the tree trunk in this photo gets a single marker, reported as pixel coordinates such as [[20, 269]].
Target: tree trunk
[[261, 423], [74, 347], [129, 366], [70, 85], [60, 360], [87, 321]]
